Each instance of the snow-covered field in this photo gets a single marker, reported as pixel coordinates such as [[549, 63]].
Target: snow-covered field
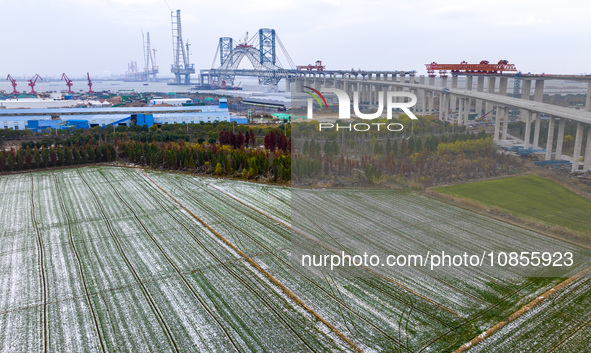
[[103, 259]]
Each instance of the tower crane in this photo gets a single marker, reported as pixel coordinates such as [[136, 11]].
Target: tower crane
[[89, 83], [13, 83], [68, 82], [33, 81]]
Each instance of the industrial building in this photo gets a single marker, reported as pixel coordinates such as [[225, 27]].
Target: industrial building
[[83, 118]]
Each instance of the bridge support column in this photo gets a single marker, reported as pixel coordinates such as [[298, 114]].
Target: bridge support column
[[550, 140], [441, 100], [431, 80], [317, 84], [560, 138], [479, 88], [503, 86], [468, 106], [441, 104], [588, 100], [578, 143], [526, 136], [360, 90], [446, 109], [526, 89], [497, 126], [421, 101], [462, 112], [287, 85], [505, 117], [402, 78], [537, 130], [299, 85], [538, 95], [587, 163], [411, 78], [539, 91], [452, 100], [421, 94], [491, 90], [431, 109]]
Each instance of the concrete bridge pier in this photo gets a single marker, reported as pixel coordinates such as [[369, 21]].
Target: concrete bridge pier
[[468, 106], [538, 120], [504, 115], [538, 96], [578, 143], [443, 111], [550, 140], [497, 125], [560, 138], [317, 83], [462, 111], [526, 115], [452, 99], [421, 95], [431, 98], [442, 102], [526, 89], [441, 105], [491, 90], [479, 88], [587, 163], [503, 86]]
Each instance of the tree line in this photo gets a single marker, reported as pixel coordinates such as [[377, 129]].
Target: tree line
[[423, 159], [233, 156], [54, 156]]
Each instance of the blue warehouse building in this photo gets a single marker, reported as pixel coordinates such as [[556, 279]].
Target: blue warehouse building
[[84, 118]]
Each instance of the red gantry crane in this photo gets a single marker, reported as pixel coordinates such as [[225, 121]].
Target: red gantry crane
[[68, 82], [13, 83], [33, 81], [318, 66], [89, 83], [464, 68]]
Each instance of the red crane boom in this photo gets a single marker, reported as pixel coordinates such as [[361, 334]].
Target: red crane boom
[[464, 68], [89, 83], [13, 83], [68, 82], [32, 83]]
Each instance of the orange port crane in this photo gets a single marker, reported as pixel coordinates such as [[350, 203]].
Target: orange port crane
[[89, 83], [68, 82], [484, 67], [13, 83], [33, 81]]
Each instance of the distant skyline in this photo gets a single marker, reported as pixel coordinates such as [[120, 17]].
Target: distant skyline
[[103, 36]]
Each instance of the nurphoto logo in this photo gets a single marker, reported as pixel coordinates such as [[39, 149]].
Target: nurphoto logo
[[344, 102]]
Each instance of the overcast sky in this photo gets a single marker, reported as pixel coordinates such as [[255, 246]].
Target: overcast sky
[[101, 36]]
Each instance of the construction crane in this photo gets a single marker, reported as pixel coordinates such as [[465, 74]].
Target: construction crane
[[484, 67], [150, 68], [68, 82], [180, 68], [32, 83], [13, 83], [318, 66], [89, 83]]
